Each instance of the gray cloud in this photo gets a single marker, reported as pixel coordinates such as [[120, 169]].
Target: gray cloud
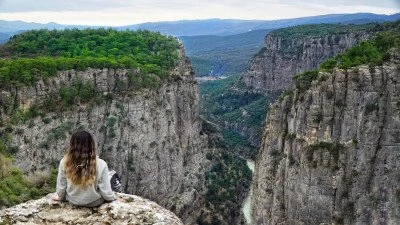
[[9, 6], [374, 3], [58, 6], [124, 12]]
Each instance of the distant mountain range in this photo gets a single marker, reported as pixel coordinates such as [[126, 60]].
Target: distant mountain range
[[216, 55], [230, 26], [213, 55], [213, 26], [217, 47], [10, 28], [18, 26]]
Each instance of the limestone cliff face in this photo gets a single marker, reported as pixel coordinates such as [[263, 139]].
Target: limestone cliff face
[[134, 210], [274, 66], [331, 155], [150, 137]]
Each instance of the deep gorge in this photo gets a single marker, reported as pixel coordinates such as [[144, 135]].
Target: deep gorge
[[329, 140]]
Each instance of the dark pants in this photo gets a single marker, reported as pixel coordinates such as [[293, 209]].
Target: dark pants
[[115, 181]]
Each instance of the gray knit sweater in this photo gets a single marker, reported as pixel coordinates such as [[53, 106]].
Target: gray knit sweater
[[91, 196]]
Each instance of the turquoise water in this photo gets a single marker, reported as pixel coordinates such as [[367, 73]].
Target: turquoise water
[[247, 201]]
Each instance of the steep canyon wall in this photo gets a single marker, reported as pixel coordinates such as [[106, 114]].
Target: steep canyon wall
[[283, 57], [331, 155], [150, 136]]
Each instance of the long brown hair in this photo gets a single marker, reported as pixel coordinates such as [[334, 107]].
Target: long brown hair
[[80, 161]]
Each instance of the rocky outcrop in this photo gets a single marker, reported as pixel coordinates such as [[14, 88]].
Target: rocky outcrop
[[283, 57], [133, 210], [286, 52], [331, 155], [149, 136]]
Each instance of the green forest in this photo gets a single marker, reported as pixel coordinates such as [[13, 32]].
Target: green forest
[[36, 54], [322, 30], [213, 55], [373, 52]]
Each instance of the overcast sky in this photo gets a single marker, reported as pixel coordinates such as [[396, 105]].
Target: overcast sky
[[125, 12]]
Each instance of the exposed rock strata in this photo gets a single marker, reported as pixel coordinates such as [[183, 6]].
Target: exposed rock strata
[[151, 137], [331, 155], [274, 66], [135, 210]]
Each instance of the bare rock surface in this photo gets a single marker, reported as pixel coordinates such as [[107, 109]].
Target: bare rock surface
[[135, 210], [282, 58], [331, 155]]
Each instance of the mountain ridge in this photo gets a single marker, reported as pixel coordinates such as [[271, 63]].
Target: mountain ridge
[[213, 55], [247, 25], [175, 27]]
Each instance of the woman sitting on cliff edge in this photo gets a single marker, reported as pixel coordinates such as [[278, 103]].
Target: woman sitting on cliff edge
[[83, 178]]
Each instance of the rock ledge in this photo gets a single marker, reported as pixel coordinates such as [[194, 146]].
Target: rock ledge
[[135, 210]]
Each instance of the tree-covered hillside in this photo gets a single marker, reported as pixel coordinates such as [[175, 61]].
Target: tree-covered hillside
[[40, 53], [320, 30], [213, 55], [291, 34], [31, 56], [237, 110]]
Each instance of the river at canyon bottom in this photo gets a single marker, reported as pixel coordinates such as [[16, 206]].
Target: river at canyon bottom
[[247, 201]]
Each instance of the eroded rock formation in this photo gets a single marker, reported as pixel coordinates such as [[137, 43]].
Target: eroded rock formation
[[331, 155], [282, 57], [134, 210], [150, 136]]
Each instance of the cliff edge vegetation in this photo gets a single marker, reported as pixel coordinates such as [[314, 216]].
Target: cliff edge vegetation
[[372, 53], [29, 56], [39, 55], [332, 143]]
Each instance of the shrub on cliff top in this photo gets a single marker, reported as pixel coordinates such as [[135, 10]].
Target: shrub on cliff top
[[319, 30], [329, 32], [303, 80], [373, 53], [32, 55]]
